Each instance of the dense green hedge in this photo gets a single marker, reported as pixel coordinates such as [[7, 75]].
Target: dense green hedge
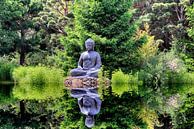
[[38, 75]]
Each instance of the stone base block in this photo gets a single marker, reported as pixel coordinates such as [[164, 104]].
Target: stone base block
[[81, 82]]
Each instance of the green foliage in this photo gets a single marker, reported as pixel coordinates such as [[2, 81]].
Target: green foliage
[[5, 94], [186, 113], [110, 116], [185, 50], [124, 82], [50, 24], [184, 78], [150, 48], [6, 69], [38, 75], [53, 18], [190, 18], [167, 20], [162, 69], [38, 92], [16, 26], [119, 77], [109, 23]]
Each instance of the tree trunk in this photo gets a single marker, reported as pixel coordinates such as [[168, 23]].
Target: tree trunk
[[22, 110], [22, 58], [22, 47]]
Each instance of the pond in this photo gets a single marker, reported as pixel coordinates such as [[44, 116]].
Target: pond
[[123, 106]]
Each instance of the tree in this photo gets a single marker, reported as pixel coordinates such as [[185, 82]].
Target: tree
[[167, 20], [51, 22], [16, 26], [109, 23]]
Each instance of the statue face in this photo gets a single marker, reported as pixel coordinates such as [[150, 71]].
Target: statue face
[[89, 46], [89, 122]]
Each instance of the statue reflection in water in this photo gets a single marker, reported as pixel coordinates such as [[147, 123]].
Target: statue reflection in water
[[88, 98]]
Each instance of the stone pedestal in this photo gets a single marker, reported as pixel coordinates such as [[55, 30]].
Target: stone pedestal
[[81, 82]]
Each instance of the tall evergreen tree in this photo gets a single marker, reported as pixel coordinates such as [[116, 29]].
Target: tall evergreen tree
[[109, 23], [16, 26]]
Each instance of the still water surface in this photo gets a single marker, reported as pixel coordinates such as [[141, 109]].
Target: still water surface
[[18, 95]]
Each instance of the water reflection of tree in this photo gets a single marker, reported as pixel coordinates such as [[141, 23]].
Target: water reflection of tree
[[5, 94], [160, 108], [27, 92]]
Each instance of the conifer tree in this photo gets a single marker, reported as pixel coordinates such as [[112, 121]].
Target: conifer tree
[[16, 26], [109, 23]]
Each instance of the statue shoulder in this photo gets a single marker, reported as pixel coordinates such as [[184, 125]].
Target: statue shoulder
[[97, 53], [83, 53]]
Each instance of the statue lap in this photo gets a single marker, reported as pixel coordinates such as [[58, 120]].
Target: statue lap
[[79, 72]]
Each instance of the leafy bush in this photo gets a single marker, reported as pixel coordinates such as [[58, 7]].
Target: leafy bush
[[38, 75], [163, 68], [124, 82], [119, 77], [6, 69]]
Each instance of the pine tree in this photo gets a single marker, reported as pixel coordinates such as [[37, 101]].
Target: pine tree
[[109, 23], [16, 26]]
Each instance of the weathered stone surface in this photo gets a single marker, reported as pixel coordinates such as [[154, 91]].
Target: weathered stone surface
[[81, 82]]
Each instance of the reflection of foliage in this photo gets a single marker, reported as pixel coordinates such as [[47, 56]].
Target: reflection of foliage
[[37, 92], [38, 115], [149, 116], [68, 107], [5, 94], [166, 102], [111, 114], [38, 75], [186, 113], [124, 87]]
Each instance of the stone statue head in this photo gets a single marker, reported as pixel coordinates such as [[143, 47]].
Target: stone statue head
[[89, 44]]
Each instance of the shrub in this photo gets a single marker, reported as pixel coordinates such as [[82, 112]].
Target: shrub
[[38, 75], [124, 82], [186, 78], [162, 69], [6, 69], [119, 77]]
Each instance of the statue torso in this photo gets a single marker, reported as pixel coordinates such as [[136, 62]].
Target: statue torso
[[89, 59]]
